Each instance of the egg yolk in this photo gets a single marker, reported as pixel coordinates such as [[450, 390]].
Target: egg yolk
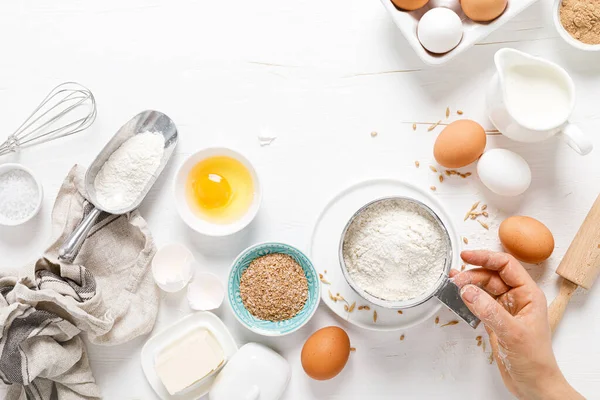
[[212, 191], [219, 189]]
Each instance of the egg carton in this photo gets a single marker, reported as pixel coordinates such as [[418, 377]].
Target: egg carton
[[474, 32]]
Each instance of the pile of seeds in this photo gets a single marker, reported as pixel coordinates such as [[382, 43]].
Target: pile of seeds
[[274, 287]]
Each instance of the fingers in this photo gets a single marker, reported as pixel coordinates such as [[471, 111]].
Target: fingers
[[517, 299], [509, 269], [488, 310], [488, 280]]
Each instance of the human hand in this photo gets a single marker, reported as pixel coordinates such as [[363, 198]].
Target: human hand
[[515, 314]]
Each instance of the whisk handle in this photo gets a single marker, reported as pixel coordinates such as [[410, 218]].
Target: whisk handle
[[68, 251]]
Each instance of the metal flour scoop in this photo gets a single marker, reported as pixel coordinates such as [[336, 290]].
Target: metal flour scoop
[[147, 121]]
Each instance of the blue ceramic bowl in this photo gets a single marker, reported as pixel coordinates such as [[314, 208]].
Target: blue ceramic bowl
[[269, 328]]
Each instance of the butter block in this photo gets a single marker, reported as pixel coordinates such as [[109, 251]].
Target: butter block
[[188, 360]]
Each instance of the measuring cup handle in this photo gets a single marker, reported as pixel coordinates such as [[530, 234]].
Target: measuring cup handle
[[449, 294], [577, 140], [68, 251]]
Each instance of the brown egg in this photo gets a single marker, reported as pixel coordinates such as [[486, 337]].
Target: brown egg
[[409, 5], [483, 10], [459, 144], [526, 238], [325, 353]]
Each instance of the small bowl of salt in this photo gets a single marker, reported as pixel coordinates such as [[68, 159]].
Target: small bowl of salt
[[21, 194]]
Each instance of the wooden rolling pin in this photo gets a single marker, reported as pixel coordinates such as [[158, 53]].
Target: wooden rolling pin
[[580, 265]]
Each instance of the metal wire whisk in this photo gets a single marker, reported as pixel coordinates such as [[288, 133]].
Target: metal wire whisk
[[69, 108]]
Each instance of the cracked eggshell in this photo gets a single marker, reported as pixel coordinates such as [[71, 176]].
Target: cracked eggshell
[[205, 292], [173, 267]]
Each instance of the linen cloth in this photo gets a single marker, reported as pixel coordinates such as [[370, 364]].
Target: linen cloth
[[108, 294]]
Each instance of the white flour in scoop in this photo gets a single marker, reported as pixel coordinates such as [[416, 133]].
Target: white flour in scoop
[[125, 174], [394, 250]]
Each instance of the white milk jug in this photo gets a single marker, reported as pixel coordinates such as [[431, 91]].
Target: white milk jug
[[531, 99]]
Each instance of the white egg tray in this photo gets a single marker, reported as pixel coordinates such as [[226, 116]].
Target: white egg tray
[[474, 32]]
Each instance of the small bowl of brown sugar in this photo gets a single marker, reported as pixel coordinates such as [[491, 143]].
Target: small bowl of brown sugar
[[273, 289], [578, 23]]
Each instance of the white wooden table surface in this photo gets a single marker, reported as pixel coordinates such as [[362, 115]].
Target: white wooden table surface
[[321, 75]]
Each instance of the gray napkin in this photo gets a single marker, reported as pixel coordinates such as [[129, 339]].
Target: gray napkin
[[108, 293]]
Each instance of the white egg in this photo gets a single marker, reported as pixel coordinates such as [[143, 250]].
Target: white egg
[[440, 30], [504, 172]]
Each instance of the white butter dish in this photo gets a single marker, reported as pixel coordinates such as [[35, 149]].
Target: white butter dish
[[255, 372], [162, 340], [473, 32]]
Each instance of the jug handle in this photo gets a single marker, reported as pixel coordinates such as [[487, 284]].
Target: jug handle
[[577, 140]]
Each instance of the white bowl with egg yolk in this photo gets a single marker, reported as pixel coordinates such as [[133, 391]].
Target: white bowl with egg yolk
[[188, 209]]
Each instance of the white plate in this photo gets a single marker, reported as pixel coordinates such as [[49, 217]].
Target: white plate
[[324, 247], [188, 323], [474, 32]]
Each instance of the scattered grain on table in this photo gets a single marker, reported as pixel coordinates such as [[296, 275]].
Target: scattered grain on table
[[450, 323], [332, 297], [402, 337], [473, 207], [400, 312], [432, 127], [373, 134], [375, 316], [437, 320], [417, 164]]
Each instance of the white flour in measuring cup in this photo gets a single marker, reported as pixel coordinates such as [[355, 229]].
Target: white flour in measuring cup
[[125, 174], [394, 250]]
